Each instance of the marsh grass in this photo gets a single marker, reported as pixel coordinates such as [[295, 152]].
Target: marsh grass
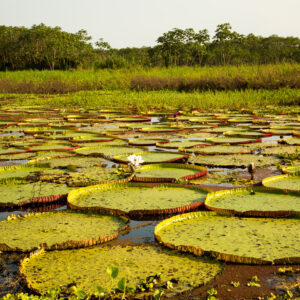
[[186, 79], [163, 100]]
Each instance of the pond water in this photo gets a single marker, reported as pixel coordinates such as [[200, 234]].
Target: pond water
[[141, 229]]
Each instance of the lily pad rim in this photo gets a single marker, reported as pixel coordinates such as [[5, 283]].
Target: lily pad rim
[[251, 213], [70, 244], [215, 254], [132, 213]]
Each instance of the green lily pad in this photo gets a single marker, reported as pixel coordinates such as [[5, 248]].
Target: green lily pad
[[159, 129], [291, 141], [6, 151], [228, 238], [153, 157], [254, 202], [137, 199], [193, 126], [168, 172], [18, 156], [138, 119], [245, 133], [289, 182], [52, 147], [115, 142], [48, 154], [65, 135], [181, 144], [222, 129], [203, 120], [218, 149], [96, 175], [277, 131], [231, 140], [111, 131], [281, 149], [22, 171], [70, 160], [88, 266], [146, 142], [58, 230], [89, 137], [240, 120], [12, 195], [108, 151], [237, 160], [290, 169]]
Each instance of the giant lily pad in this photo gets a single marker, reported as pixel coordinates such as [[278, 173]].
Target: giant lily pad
[[70, 160], [168, 172], [237, 160], [18, 156], [96, 175], [232, 140], [133, 119], [181, 144], [22, 171], [159, 128], [52, 147], [218, 149], [278, 131], [254, 202], [115, 142], [228, 238], [289, 182], [13, 195], [281, 149], [137, 199], [291, 141], [88, 266], [290, 169], [146, 142], [153, 157], [222, 129], [203, 120], [58, 230], [64, 135], [245, 133], [7, 151], [84, 138], [108, 151], [240, 120]]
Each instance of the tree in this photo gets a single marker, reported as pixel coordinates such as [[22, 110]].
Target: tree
[[225, 42]]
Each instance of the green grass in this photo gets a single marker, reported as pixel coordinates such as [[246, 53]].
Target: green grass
[[143, 101], [180, 79]]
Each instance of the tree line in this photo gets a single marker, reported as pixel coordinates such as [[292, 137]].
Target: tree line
[[44, 47]]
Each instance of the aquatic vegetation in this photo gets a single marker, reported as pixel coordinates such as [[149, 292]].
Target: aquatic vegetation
[[137, 198], [58, 230], [87, 267], [15, 193], [254, 202], [168, 172], [288, 182], [228, 238]]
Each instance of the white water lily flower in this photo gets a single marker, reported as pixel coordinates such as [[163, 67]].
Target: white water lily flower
[[135, 160]]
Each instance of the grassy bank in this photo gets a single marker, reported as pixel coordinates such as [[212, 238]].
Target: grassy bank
[[186, 79], [143, 101]]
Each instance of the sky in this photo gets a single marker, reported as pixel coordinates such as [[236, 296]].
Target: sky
[[137, 23]]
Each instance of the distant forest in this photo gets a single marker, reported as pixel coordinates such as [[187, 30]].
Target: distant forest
[[42, 47]]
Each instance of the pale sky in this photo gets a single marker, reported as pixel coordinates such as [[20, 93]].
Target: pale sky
[[136, 23]]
